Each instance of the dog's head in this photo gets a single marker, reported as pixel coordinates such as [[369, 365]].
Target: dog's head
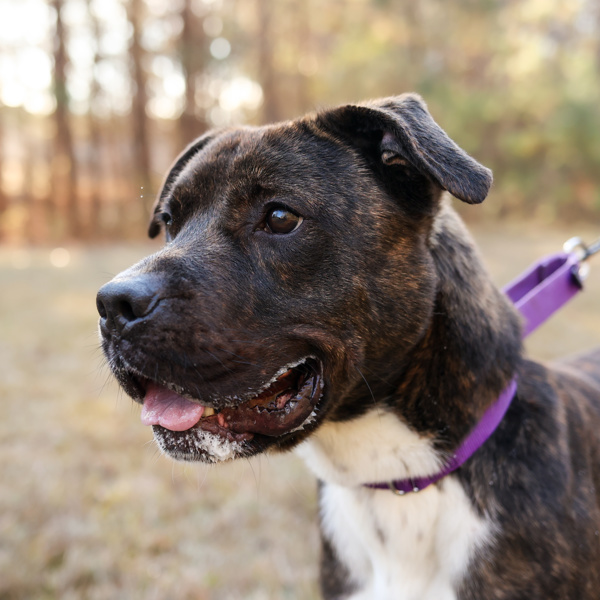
[[295, 265]]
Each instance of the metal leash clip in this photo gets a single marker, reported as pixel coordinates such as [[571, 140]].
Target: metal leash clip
[[578, 247]]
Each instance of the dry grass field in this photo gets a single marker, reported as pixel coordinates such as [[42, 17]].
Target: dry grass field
[[89, 509]]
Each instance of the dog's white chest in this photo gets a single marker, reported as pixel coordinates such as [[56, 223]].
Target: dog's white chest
[[412, 547]]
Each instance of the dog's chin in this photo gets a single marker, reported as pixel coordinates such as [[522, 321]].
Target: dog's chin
[[280, 415]]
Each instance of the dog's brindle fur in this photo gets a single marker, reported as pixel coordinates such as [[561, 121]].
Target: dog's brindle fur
[[382, 284]]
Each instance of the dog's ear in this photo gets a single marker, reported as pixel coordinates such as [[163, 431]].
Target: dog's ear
[[400, 132], [178, 166]]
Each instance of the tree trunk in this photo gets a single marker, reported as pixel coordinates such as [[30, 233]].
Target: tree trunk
[[267, 75], [141, 137], [3, 198], [64, 160], [305, 54], [193, 61], [96, 153]]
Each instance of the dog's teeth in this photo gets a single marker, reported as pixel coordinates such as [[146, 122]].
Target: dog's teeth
[[208, 411]]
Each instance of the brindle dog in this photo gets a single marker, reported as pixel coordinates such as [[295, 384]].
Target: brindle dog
[[318, 291]]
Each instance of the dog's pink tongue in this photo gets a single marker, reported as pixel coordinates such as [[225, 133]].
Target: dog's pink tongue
[[166, 408]]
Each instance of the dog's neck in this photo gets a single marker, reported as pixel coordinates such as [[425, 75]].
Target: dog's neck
[[471, 349], [467, 355]]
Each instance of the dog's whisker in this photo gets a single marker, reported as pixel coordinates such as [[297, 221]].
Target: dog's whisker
[[203, 379], [367, 384], [374, 375], [201, 478], [256, 479], [242, 360], [157, 454], [217, 359], [249, 342]]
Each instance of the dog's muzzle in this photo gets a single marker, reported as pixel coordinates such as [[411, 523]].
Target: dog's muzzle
[[279, 406]]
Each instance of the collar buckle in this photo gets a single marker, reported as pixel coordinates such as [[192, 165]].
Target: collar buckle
[[400, 492], [395, 490]]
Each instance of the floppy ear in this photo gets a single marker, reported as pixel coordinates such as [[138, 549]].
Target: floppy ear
[[176, 168], [400, 132]]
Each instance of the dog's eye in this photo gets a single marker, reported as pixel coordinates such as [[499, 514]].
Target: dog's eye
[[166, 218], [282, 220]]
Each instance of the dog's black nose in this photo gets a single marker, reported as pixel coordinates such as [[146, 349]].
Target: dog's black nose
[[123, 301]]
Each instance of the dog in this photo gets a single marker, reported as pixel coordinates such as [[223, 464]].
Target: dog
[[317, 291]]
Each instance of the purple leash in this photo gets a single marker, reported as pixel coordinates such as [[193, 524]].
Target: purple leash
[[539, 292], [544, 288]]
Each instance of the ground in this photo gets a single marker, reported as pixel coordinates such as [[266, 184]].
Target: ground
[[88, 507]]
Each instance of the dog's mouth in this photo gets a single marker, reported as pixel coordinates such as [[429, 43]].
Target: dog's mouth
[[284, 405]]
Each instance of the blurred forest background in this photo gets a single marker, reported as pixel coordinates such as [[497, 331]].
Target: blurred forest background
[[98, 96]]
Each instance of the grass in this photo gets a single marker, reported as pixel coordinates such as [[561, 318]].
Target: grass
[[89, 509]]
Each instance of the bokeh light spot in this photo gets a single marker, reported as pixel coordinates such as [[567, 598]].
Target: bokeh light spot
[[60, 258], [220, 48]]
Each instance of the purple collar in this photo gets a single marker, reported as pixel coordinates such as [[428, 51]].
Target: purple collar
[[537, 293], [486, 426]]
